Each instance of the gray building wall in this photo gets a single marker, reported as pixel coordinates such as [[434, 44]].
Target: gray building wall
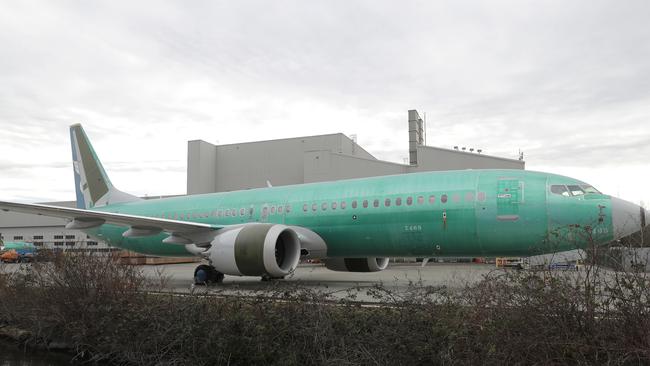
[[222, 168], [320, 166], [313, 159], [436, 158], [46, 232], [202, 166]]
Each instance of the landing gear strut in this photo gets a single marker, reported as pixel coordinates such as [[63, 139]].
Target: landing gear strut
[[207, 275]]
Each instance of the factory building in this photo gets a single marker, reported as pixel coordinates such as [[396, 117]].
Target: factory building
[[45, 232], [221, 168]]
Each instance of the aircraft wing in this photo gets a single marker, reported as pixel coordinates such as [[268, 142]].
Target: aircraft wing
[[139, 225]]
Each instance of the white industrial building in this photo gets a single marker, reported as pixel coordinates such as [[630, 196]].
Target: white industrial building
[[220, 168]]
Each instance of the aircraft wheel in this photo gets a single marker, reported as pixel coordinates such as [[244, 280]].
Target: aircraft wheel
[[267, 278], [207, 275]]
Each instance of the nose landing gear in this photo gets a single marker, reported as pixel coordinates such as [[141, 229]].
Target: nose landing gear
[[207, 275]]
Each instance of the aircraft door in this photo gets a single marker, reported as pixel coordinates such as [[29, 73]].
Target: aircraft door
[[498, 209], [510, 194]]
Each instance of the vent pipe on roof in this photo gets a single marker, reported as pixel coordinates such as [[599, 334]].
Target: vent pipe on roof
[[416, 135]]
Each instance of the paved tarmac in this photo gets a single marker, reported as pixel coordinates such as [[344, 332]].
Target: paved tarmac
[[399, 278]]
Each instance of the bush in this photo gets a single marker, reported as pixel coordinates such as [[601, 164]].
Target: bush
[[102, 310]]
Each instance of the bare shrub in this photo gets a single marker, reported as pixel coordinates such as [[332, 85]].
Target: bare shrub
[[510, 317]]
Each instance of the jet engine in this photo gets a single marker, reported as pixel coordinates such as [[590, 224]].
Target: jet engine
[[357, 264], [268, 250]]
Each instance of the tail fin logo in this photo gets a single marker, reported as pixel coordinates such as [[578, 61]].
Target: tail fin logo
[[92, 186], [90, 179]]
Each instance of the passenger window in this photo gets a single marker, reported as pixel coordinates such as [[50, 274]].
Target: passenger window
[[251, 211], [398, 201], [333, 205], [228, 212], [354, 204], [242, 211], [481, 196], [432, 199], [409, 201], [375, 203], [455, 197], [443, 198], [305, 207], [287, 209], [272, 210], [265, 211], [234, 212], [420, 200], [387, 202], [576, 190], [343, 205], [365, 203], [324, 206], [469, 196], [314, 207], [560, 189], [280, 208]]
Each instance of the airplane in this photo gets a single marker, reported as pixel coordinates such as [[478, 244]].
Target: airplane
[[16, 245], [352, 225], [16, 251]]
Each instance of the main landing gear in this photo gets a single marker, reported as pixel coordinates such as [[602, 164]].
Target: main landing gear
[[267, 278], [207, 275]]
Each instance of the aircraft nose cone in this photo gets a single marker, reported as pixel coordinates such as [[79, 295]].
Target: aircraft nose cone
[[627, 218]]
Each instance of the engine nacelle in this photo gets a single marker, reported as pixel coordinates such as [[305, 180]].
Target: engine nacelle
[[256, 250], [356, 264]]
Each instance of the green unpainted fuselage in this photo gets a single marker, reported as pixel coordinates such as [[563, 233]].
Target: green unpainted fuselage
[[451, 213], [17, 245]]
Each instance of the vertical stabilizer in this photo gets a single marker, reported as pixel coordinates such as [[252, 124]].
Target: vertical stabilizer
[[92, 185]]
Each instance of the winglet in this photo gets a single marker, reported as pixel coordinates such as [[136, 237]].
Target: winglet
[[92, 185]]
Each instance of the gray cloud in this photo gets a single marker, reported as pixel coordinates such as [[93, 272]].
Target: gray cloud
[[569, 83]]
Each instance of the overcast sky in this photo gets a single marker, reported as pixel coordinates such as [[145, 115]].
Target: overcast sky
[[567, 82]]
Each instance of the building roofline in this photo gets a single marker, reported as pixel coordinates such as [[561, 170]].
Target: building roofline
[[339, 134], [282, 139], [472, 154]]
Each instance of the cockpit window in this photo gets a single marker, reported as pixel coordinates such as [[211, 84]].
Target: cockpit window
[[560, 189], [589, 189], [576, 190], [573, 190]]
